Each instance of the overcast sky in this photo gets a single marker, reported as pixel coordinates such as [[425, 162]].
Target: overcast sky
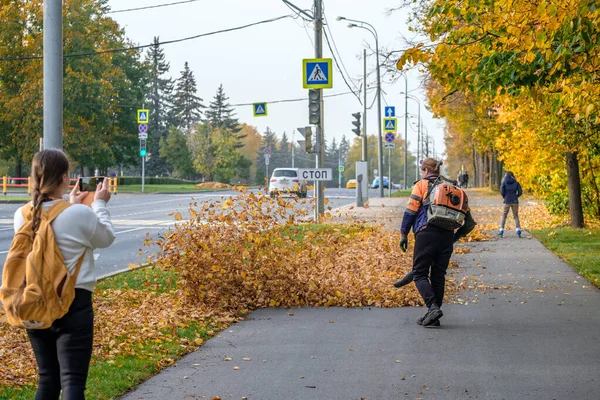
[[264, 63]]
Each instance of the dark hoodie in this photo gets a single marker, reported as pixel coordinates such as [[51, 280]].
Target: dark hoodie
[[510, 189]]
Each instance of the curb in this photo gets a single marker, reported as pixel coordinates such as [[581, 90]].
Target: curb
[[122, 271]]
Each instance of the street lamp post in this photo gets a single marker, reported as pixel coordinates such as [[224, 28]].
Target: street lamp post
[[406, 95], [373, 31], [53, 74]]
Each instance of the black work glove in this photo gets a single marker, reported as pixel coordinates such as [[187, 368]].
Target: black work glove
[[403, 243]]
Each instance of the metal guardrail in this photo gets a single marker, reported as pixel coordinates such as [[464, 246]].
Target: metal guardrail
[[8, 182]]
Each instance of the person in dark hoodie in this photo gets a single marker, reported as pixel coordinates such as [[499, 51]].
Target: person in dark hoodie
[[510, 190], [433, 244]]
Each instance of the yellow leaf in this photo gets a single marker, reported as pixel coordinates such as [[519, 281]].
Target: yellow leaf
[[198, 341], [178, 216]]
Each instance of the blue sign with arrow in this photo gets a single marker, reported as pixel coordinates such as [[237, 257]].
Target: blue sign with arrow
[[390, 111]]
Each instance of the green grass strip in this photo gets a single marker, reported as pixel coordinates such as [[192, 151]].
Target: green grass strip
[[580, 248], [402, 193], [163, 189]]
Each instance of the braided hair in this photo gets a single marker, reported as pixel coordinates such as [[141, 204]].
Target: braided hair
[[47, 170]]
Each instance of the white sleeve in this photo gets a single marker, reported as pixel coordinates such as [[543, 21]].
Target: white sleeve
[[103, 233], [18, 220]]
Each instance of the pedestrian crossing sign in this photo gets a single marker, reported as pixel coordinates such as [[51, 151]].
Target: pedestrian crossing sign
[[260, 109], [317, 73], [390, 125], [143, 116]]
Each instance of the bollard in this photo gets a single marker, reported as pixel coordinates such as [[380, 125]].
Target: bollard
[[29, 185], [4, 179], [114, 185], [359, 199]]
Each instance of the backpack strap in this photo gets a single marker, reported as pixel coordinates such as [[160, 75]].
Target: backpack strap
[[430, 186], [51, 214], [78, 267], [56, 209]]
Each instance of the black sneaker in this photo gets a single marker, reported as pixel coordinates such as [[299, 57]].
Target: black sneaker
[[408, 278], [420, 321], [433, 315]]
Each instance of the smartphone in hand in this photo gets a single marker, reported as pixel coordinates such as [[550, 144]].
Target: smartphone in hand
[[89, 184]]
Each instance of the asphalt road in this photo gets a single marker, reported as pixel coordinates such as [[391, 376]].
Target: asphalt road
[[134, 215]]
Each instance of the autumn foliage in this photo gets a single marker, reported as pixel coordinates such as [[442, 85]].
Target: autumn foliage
[[517, 82], [253, 253]]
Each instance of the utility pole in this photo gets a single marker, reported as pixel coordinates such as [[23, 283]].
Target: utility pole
[[379, 117], [320, 135], [364, 143], [406, 131], [53, 74], [293, 147], [390, 172]]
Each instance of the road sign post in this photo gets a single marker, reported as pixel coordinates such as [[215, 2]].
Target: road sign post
[[143, 118]]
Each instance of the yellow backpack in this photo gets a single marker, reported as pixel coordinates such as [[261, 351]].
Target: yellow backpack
[[37, 288]]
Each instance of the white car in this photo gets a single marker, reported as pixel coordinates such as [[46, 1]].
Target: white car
[[286, 180]]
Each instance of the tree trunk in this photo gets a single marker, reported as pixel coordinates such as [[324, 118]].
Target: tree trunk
[[574, 184], [499, 172], [475, 169], [19, 168]]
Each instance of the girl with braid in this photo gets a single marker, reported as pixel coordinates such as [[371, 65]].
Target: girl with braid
[[64, 350]]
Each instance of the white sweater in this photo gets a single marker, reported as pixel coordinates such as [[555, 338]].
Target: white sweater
[[79, 229]]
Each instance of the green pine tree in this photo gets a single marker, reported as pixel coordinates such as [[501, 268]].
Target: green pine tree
[[159, 95], [187, 106], [220, 114]]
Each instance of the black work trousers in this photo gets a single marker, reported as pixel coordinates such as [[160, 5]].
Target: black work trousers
[[63, 351], [433, 249]]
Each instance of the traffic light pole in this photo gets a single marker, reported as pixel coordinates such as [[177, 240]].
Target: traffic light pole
[[143, 172], [143, 146]]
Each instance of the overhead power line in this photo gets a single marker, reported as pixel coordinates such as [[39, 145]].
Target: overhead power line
[[94, 53], [298, 99], [338, 52], [338, 67], [155, 6]]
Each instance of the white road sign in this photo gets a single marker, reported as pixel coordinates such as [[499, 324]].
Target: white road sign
[[316, 174]]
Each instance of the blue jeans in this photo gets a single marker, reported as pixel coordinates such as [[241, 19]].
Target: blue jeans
[[63, 351]]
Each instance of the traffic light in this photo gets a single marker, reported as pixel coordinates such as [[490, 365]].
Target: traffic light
[[314, 106], [356, 124], [307, 133], [142, 148]]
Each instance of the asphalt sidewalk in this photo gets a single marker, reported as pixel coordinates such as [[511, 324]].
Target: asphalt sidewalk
[[528, 327]]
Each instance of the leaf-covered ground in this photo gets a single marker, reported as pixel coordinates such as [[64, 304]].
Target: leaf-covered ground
[[232, 257]]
